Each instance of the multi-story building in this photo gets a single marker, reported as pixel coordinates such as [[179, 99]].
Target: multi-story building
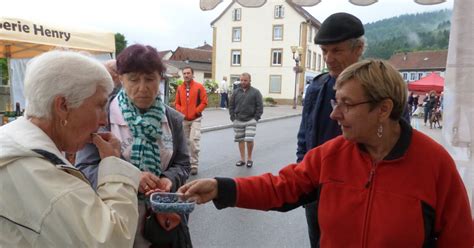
[[415, 65], [259, 41]]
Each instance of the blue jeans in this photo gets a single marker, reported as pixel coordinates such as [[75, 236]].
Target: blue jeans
[[224, 100]]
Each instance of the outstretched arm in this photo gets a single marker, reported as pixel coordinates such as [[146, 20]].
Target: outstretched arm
[[201, 191]]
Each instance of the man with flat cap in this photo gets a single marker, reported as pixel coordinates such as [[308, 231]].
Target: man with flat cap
[[341, 38]]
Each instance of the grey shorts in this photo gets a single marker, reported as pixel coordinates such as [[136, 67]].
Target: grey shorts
[[245, 130]]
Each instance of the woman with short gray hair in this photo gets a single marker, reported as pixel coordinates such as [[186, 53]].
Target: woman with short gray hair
[[46, 202], [380, 184]]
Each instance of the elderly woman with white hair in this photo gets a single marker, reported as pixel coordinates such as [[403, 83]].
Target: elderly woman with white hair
[[45, 201]]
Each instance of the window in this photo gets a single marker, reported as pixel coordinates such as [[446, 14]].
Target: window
[[412, 76], [314, 61], [277, 32], [235, 58], [236, 34], [405, 76], [275, 84], [308, 60], [276, 57], [420, 75], [234, 78], [236, 14], [319, 62], [279, 11]]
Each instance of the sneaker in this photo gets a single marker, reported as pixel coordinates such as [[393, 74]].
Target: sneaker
[[194, 171]]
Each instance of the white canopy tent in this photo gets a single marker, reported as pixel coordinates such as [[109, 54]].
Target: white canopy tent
[[458, 121], [20, 40]]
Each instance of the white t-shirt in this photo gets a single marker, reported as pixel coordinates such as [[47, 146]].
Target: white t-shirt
[[223, 87]]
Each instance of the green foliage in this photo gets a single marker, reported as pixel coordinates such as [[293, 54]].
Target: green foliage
[[3, 72], [120, 43], [174, 83], [173, 86], [213, 100], [270, 101], [414, 32], [211, 86]]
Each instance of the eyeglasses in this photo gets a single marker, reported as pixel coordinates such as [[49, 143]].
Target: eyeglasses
[[344, 107]]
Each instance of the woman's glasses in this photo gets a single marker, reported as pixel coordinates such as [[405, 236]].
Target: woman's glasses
[[344, 107]]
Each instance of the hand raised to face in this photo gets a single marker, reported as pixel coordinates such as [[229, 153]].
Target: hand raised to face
[[107, 144]]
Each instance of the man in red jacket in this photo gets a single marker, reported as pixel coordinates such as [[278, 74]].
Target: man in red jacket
[[191, 100]]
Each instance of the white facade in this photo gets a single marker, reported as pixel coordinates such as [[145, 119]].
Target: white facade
[[411, 76], [261, 39]]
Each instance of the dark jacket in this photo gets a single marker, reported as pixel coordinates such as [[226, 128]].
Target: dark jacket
[[88, 158], [308, 136], [246, 105], [316, 127]]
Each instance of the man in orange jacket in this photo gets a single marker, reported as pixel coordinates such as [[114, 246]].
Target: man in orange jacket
[[191, 100]]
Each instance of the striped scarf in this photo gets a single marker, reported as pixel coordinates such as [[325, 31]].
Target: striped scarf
[[146, 130]]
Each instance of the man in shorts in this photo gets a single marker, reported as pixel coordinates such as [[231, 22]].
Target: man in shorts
[[245, 109]]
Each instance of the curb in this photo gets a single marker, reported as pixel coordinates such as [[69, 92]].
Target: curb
[[220, 127]]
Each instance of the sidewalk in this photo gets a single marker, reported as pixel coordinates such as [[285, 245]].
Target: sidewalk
[[216, 118]]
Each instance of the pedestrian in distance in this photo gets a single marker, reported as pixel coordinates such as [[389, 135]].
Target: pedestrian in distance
[[410, 102], [416, 98], [341, 39], [245, 109], [191, 100], [223, 91], [151, 137], [45, 201], [429, 102], [236, 85], [380, 184]]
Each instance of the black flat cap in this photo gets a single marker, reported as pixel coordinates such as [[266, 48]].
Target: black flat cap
[[339, 27]]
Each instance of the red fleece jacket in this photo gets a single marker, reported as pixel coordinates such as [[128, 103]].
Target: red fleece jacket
[[393, 203]]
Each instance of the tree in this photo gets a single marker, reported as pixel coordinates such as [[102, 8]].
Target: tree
[[120, 42], [3, 71]]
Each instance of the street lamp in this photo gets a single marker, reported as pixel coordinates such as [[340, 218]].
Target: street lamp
[[297, 52]]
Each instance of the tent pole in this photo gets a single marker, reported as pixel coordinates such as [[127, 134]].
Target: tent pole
[[8, 55]]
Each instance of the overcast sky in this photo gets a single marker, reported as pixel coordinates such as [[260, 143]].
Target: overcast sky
[[167, 24]]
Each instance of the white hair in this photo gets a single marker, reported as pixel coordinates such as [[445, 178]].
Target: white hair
[[359, 41], [62, 73]]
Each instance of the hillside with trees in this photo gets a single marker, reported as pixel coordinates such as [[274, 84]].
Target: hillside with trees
[[410, 32]]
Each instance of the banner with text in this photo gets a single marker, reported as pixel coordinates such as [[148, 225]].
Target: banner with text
[[24, 39]]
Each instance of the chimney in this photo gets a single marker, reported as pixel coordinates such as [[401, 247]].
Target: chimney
[[404, 56]]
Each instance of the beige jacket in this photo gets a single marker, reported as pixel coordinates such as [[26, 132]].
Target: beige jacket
[[51, 205]]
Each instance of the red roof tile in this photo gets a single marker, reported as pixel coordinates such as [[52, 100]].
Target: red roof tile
[[421, 60], [190, 54], [205, 47]]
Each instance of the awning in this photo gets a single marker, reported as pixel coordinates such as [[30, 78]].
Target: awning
[[432, 81], [21, 38]]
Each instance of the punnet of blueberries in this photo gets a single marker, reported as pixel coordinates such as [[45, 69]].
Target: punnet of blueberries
[[164, 202]]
